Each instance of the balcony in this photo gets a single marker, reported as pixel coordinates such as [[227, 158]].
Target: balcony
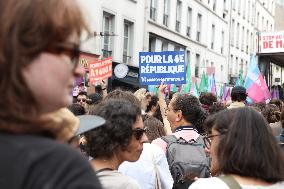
[[106, 53], [177, 26], [165, 19]]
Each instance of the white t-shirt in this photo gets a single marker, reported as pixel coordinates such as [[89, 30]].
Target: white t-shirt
[[216, 183], [115, 180], [143, 170]]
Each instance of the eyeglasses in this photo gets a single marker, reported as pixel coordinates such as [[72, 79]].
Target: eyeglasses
[[138, 133], [71, 50], [208, 140], [81, 99]]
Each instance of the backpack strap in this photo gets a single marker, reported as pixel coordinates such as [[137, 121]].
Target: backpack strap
[[230, 181], [169, 138]]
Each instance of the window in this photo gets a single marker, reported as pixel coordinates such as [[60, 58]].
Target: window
[[238, 34], [247, 42], [178, 15], [251, 43], [198, 28], [262, 23], [222, 68], [241, 66], [239, 6], [212, 36], [152, 44], [127, 41], [243, 38], [189, 22], [244, 8], [222, 41], [166, 13], [197, 65], [236, 66], [214, 5], [164, 46], [248, 17], [153, 10], [231, 65], [232, 33], [257, 20], [267, 28], [108, 29], [188, 58], [234, 4]]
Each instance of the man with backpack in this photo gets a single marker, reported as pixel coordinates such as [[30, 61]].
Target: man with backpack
[[184, 148]]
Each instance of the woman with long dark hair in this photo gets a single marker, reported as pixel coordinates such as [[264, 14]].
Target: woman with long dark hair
[[243, 150]]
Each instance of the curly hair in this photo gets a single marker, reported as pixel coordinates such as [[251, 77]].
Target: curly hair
[[216, 107], [189, 106], [207, 98], [271, 113], [115, 134]]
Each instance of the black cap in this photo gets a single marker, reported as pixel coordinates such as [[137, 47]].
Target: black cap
[[239, 90], [89, 122]]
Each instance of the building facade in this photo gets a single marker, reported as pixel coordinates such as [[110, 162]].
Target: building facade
[[213, 33]]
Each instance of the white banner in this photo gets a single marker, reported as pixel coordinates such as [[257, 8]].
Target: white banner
[[271, 42]]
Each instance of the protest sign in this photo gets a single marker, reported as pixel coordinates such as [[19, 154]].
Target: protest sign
[[166, 66], [271, 42], [85, 58], [100, 70]]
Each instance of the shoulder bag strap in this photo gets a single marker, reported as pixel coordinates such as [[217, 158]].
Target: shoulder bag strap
[[157, 180], [230, 181]]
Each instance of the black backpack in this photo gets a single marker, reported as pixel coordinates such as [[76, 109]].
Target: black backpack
[[186, 160]]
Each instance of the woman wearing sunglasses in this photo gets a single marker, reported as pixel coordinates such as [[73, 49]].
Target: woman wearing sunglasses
[[120, 139], [39, 51], [244, 152]]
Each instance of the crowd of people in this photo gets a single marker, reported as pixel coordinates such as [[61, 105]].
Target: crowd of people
[[118, 139]]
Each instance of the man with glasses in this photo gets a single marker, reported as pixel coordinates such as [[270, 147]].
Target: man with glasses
[[184, 114], [82, 98]]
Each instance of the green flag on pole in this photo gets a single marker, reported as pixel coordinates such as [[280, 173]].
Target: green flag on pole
[[186, 87], [203, 83]]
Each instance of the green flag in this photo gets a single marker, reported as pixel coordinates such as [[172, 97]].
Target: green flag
[[240, 81], [186, 87], [174, 88], [203, 83]]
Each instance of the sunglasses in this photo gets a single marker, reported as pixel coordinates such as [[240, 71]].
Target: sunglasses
[[71, 50], [138, 133], [81, 100]]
